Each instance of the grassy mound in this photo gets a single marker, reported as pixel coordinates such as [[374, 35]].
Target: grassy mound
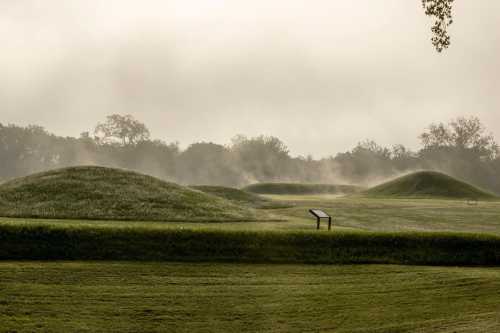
[[240, 197], [232, 194], [428, 184], [112, 194], [300, 189]]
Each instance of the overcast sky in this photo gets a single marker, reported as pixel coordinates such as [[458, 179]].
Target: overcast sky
[[320, 75]]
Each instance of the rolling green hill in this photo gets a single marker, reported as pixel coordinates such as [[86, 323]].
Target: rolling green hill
[[112, 194], [428, 184], [300, 189]]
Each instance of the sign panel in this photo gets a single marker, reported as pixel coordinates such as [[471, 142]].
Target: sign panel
[[319, 213]]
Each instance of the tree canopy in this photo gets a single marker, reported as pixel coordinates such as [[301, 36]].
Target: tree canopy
[[462, 134]]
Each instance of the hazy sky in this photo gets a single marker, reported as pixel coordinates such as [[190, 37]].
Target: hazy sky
[[320, 75]]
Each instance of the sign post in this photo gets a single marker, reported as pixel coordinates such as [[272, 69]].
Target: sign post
[[319, 214]]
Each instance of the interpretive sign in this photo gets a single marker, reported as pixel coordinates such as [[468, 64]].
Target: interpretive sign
[[319, 214]]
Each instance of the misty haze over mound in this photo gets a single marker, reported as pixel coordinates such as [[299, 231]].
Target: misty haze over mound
[[462, 148], [320, 76], [426, 184]]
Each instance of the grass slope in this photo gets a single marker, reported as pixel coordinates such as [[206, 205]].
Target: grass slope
[[55, 242], [428, 184], [241, 197], [105, 193], [300, 189]]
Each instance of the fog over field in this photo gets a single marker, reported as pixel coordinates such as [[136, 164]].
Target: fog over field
[[319, 75], [249, 166]]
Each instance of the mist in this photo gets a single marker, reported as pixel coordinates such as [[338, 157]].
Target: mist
[[238, 92], [462, 148], [320, 77]]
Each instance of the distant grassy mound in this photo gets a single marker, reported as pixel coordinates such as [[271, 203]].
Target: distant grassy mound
[[428, 184], [232, 194], [240, 197], [300, 189], [112, 194]]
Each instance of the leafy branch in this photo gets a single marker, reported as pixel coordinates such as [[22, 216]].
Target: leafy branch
[[441, 10]]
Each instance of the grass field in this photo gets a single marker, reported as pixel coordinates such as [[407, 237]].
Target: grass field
[[258, 275], [366, 230], [379, 214], [350, 213], [168, 297]]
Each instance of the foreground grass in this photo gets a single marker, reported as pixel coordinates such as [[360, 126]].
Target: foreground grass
[[61, 242], [157, 297]]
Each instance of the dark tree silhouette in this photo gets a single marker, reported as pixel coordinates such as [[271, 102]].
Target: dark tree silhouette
[[441, 10], [462, 134], [121, 129]]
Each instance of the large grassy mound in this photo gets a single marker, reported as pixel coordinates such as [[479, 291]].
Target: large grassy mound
[[112, 194], [300, 189], [428, 184]]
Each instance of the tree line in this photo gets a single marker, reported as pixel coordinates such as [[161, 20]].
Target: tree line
[[461, 148]]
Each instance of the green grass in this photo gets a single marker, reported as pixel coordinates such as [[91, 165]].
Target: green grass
[[428, 184], [365, 230], [350, 213], [261, 275], [240, 197], [167, 297], [301, 189], [62, 242], [394, 215], [105, 193]]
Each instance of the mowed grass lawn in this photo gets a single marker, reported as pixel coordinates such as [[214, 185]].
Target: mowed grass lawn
[[175, 297], [374, 214]]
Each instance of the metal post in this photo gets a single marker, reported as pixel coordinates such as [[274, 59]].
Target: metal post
[[330, 223], [317, 227]]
